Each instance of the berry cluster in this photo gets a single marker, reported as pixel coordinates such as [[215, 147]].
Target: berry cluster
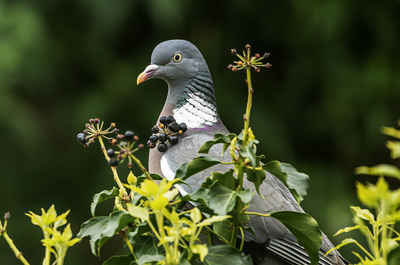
[[167, 130], [125, 142], [126, 148], [93, 130], [248, 61]]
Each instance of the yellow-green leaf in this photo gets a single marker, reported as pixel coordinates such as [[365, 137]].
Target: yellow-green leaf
[[367, 195], [202, 250], [150, 187], [364, 214], [394, 147], [195, 215], [171, 194], [159, 203], [214, 219], [132, 180], [379, 170], [49, 217], [347, 229], [137, 211]]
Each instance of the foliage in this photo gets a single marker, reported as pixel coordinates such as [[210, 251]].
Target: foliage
[[379, 229], [153, 220]]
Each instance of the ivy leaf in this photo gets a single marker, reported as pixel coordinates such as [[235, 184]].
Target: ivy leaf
[[226, 179], [103, 196], [296, 182], [199, 196], [137, 211], [249, 151], [118, 260], [218, 139], [393, 256], [144, 246], [221, 199], [149, 259], [195, 166], [225, 254], [305, 229], [102, 228], [379, 170], [256, 176]]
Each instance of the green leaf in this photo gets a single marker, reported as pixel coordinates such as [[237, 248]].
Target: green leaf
[[393, 257], [256, 176], [249, 151], [119, 260], [102, 228], [222, 199], [225, 254], [223, 229], [218, 139], [226, 179], [198, 196], [103, 196], [379, 170], [149, 259], [305, 229], [297, 182], [195, 166], [144, 245]]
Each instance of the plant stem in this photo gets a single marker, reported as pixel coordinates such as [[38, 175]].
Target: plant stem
[[128, 243], [114, 169], [137, 161], [17, 253], [255, 213], [248, 107]]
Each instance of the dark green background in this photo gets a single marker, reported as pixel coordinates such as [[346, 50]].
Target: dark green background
[[335, 80]]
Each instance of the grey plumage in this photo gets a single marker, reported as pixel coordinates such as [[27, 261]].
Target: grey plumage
[[191, 100]]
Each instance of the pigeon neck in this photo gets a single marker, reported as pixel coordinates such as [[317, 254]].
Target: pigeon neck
[[196, 106]]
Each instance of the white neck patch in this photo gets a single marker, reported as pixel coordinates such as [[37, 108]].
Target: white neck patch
[[196, 113]]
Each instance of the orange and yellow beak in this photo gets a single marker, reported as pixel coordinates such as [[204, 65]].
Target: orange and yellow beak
[[148, 73]]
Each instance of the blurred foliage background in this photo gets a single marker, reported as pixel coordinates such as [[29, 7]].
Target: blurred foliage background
[[335, 80]]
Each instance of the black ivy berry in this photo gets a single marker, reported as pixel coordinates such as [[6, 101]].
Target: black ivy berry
[[163, 120], [150, 144], [173, 139], [113, 162], [81, 138], [162, 137], [110, 152], [183, 127], [155, 129], [153, 138], [169, 119], [162, 147], [174, 126], [129, 135]]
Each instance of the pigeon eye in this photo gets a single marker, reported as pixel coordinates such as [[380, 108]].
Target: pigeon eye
[[177, 57]]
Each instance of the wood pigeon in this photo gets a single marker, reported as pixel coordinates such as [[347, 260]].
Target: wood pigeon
[[191, 100]]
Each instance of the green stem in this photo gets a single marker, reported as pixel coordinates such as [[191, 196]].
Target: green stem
[[248, 107], [10, 242], [255, 213], [114, 169], [144, 170], [46, 260], [128, 243]]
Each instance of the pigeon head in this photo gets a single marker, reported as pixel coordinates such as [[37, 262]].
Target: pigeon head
[[191, 96], [176, 62]]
